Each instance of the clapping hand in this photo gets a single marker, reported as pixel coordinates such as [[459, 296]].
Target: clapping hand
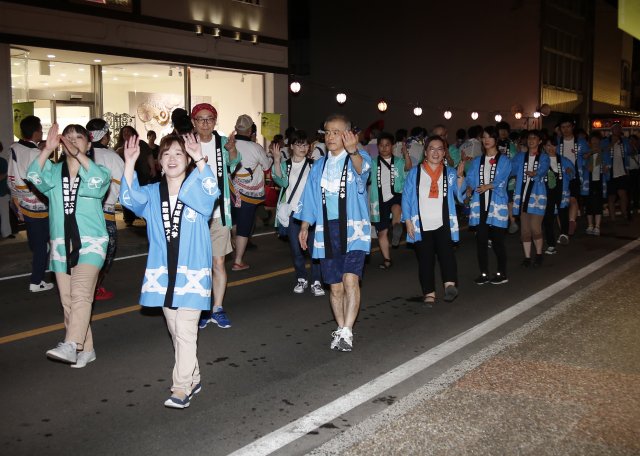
[[132, 149], [69, 147]]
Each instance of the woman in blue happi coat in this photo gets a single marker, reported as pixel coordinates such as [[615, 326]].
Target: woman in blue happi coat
[[486, 185], [429, 213], [530, 196], [178, 274]]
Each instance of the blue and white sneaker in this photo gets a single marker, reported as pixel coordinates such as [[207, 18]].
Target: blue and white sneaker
[[220, 318], [204, 321]]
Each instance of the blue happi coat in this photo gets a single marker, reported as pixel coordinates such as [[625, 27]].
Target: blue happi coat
[[537, 203], [498, 211], [565, 164], [411, 206], [358, 224], [198, 193], [583, 146]]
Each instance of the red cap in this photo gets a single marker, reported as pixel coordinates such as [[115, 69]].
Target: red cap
[[203, 107]]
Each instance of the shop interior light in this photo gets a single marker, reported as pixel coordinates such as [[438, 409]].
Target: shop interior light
[[498, 118], [295, 87], [448, 114], [198, 29], [237, 36], [216, 32], [536, 114], [254, 39], [341, 98], [417, 111], [382, 106], [518, 115], [474, 115]]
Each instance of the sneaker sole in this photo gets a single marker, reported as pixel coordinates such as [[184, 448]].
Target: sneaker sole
[[501, 282], [78, 366], [298, 292], [550, 253], [483, 283], [173, 405], [60, 358]]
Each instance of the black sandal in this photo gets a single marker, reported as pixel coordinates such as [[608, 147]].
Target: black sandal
[[386, 263]]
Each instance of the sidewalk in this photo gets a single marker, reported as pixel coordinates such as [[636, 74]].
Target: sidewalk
[[567, 383]]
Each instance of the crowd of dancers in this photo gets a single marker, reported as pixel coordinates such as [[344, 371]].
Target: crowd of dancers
[[197, 186]]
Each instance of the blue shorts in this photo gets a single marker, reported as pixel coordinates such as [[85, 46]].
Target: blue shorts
[[334, 268], [243, 218], [385, 212]]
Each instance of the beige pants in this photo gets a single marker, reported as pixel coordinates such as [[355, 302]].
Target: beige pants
[[76, 293], [183, 326]]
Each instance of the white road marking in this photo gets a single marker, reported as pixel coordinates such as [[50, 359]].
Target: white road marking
[[311, 421]]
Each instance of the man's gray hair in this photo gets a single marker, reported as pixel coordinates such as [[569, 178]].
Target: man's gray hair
[[340, 117]]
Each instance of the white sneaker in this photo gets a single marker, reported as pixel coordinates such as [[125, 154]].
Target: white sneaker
[[301, 286], [563, 239], [42, 286], [84, 358], [65, 351], [589, 230], [596, 231], [345, 344], [336, 338], [317, 289], [551, 250]]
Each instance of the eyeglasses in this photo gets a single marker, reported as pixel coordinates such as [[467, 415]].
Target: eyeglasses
[[205, 120]]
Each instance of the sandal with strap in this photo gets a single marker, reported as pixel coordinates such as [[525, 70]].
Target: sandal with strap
[[429, 300], [386, 264]]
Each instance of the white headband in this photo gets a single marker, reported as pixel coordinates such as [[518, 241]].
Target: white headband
[[97, 135]]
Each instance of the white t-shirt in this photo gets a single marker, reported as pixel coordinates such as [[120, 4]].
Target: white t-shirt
[[618, 164], [209, 151], [293, 178], [385, 180], [319, 150], [111, 160], [430, 208], [173, 199], [595, 174], [567, 150], [397, 149], [532, 159], [254, 158], [553, 164], [487, 179]]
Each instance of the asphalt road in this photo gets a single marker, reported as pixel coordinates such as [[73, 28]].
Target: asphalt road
[[272, 367]]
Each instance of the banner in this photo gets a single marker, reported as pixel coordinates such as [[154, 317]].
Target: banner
[[20, 111], [269, 125], [629, 17]]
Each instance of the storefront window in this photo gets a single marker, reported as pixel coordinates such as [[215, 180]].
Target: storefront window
[[143, 96], [231, 93]]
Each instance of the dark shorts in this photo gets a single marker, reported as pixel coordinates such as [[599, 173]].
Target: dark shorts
[[574, 188], [334, 268], [243, 218], [385, 212], [616, 184]]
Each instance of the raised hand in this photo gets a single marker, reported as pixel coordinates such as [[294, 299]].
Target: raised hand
[[192, 146], [132, 149], [69, 147], [275, 151], [350, 141], [231, 142], [53, 139]]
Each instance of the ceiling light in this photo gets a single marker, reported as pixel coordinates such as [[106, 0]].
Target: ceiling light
[[254, 39], [104, 71], [474, 115], [237, 36], [63, 74], [417, 111], [536, 114], [382, 106], [341, 98], [295, 87], [51, 65], [447, 115], [136, 74], [80, 69], [498, 118], [51, 56], [115, 79], [518, 115], [216, 32], [97, 60], [79, 82], [155, 76]]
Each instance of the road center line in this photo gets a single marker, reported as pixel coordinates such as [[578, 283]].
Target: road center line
[[311, 421]]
